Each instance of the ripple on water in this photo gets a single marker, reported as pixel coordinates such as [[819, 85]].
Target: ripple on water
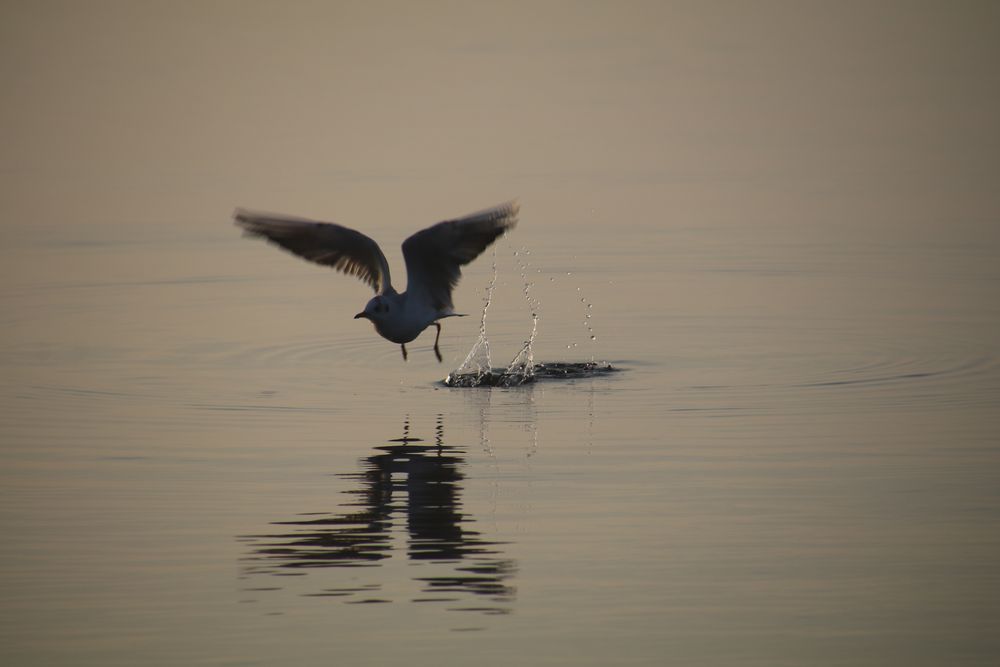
[[950, 379], [335, 351], [867, 375]]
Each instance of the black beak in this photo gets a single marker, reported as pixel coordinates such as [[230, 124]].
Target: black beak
[[360, 315]]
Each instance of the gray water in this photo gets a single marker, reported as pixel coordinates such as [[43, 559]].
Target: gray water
[[207, 461]]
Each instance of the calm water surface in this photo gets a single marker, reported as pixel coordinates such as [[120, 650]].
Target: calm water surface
[[200, 443], [778, 220]]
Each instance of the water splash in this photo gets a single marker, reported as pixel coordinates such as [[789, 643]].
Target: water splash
[[522, 366], [499, 377], [587, 323], [588, 309], [477, 369], [478, 362]]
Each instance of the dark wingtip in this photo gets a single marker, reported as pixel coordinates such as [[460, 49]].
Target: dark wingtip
[[513, 209], [241, 218]]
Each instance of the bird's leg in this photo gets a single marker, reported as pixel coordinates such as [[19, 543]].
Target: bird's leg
[[437, 350], [403, 347]]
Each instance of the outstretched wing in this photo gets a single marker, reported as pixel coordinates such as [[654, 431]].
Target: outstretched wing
[[434, 256], [326, 243]]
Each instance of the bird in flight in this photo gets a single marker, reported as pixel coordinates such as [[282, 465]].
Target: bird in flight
[[434, 257]]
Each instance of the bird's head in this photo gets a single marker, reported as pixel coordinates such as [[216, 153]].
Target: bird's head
[[375, 310]]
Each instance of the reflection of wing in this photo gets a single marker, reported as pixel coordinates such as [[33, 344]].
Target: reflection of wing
[[326, 243], [434, 256], [420, 482]]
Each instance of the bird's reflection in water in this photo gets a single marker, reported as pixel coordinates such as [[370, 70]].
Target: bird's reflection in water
[[407, 481]]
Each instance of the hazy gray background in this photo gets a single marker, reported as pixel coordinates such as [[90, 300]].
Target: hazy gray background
[[825, 115]]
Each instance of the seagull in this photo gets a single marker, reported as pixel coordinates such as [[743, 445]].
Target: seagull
[[434, 257]]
